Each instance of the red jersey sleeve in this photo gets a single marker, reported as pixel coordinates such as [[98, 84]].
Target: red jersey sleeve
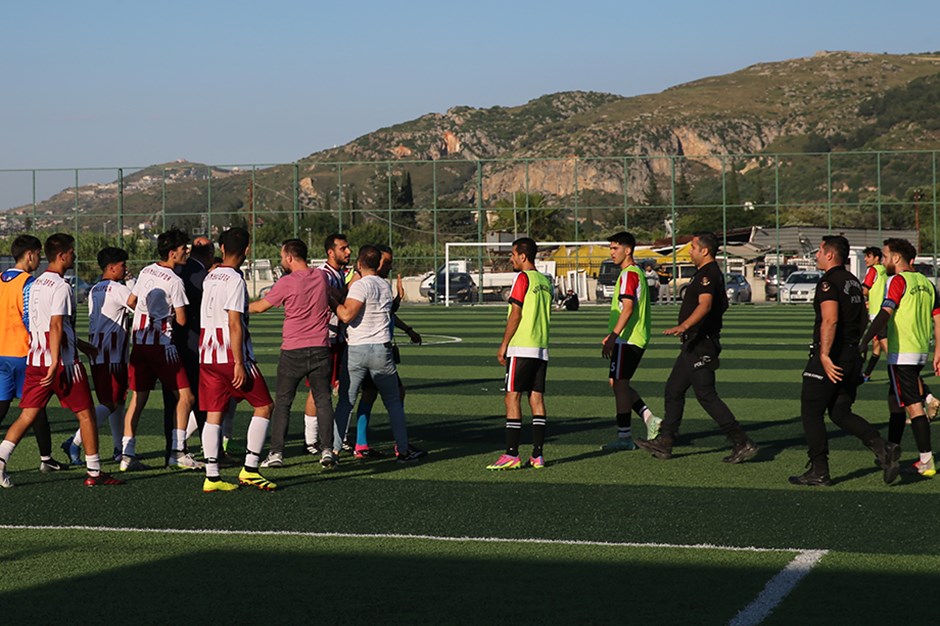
[[896, 288], [630, 286], [870, 277], [519, 288]]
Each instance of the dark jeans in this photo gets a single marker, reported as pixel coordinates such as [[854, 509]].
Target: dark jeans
[[316, 365], [820, 395], [695, 367]]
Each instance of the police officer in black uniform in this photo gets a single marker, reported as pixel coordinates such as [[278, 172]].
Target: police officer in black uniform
[[834, 370], [704, 303]]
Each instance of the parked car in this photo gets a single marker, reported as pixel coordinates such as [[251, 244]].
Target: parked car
[[462, 288], [737, 287], [771, 281], [800, 287]]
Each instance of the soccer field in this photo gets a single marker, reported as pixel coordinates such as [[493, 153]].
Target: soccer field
[[592, 538]]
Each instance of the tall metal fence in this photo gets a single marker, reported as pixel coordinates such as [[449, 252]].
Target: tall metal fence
[[419, 206]]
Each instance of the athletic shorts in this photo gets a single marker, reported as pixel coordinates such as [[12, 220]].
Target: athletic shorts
[[625, 360], [216, 389], [150, 364], [12, 375], [70, 385], [906, 384], [110, 382], [525, 374]]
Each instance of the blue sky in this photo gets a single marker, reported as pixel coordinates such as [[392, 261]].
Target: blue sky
[[107, 83]]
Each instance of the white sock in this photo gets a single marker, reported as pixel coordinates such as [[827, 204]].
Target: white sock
[[926, 457], [6, 449], [257, 433], [129, 446], [211, 441], [179, 439], [930, 398], [191, 426], [311, 431], [93, 464], [646, 414], [116, 420], [77, 437]]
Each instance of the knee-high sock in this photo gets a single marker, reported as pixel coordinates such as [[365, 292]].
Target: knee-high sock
[[362, 424], [211, 444], [538, 434], [513, 435], [311, 430], [257, 433], [116, 421]]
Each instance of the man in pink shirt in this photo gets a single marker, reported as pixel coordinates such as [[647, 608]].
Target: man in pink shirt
[[305, 349]]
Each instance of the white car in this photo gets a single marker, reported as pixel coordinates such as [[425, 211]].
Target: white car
[[800, 287]]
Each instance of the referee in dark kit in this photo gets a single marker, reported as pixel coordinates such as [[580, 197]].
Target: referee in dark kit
[[703, 305], [834, 370]]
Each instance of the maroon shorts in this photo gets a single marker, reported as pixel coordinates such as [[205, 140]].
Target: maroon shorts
[[110, 382], [150, 364], [216, 389], [69, 385]]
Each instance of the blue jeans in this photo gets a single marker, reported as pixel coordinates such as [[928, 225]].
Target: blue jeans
[[375, 360]]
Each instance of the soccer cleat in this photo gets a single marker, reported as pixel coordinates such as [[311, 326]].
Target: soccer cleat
[[51, 466], [368, 453], [928, 470], [932, 408], [741, 452], [102, 480], [73, 452], [866, 378], [652, 427], [116, 455], [314, 448], [5, 482], [619, 444], [275, 459], [327, 460], [412, 454], [348, 447], [536, 462], [890, 462], [254, 479], [184, 460], [815, 476], [211, 486], [131, 464], [660, 447], [506, 462]]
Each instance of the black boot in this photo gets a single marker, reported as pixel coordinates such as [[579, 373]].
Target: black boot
[[744, 449], [816, 476], [660, 447], [888, 457]]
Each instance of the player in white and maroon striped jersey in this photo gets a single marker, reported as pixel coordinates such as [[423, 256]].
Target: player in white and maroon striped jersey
[[227, 368], [158, 300], [53, 366], [108, 332]]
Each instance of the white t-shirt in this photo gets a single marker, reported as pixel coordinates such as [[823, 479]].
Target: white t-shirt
[[51, 295], [373, 324], [107, 321], [159, 292], [223, 290]]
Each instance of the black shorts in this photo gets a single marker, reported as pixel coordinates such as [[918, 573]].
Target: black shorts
[[625, 360], [906, 386], [525, 374]]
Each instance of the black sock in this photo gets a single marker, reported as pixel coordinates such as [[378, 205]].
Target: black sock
[[896, 427], [538, 434], [623, 420], [639, 406], [513, 434], [921, 429], [872, 361]]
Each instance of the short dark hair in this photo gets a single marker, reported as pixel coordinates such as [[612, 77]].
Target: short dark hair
[[384, 249], [23, 244], [708, 240], [370, 256], [874, 251], [624, 239], [903, 247], [330, 242], [526, 246], [235, 241], [296, 248], [838, 245], [109, 255], [57, 244], [203, 252], [170, 241]]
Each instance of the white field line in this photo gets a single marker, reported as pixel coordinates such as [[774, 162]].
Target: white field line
[[443, 339], [297, 533], [777, 588]]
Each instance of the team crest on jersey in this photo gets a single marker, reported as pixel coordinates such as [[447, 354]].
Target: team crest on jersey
[[705, 281], [825, 286]]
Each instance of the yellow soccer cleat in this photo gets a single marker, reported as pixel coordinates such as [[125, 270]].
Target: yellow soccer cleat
[[254, 479], [211, 486]]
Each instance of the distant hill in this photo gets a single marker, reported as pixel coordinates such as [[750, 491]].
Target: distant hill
[[830, 102]]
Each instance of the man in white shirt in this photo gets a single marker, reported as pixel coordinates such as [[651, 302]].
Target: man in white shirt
[[53, 366], [158, 300], [107, 332], [367, 313], [227, 368]]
